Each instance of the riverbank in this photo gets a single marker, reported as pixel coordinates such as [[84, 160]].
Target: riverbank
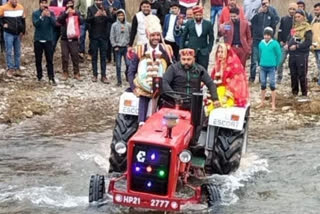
[[75, 106]]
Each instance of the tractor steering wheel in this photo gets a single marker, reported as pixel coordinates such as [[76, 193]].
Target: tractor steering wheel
[[179, 97]]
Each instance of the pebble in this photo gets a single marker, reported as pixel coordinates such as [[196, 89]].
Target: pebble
[[286, 108], [28, 114]]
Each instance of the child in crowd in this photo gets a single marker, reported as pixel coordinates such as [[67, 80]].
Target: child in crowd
[[270, 56], [119, 38]]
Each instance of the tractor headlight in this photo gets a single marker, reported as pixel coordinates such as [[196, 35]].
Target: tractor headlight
[[185, 156], [120, 148]]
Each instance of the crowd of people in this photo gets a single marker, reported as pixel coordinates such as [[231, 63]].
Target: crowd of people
[[170, 35]]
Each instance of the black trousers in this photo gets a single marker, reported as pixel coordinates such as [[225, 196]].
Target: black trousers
[[47, 48], [96, 46], [175, 49], [298, 69]]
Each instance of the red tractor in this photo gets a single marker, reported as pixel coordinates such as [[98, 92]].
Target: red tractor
[[156, 159]]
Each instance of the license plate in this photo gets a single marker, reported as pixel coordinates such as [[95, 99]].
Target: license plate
[[153, 203]]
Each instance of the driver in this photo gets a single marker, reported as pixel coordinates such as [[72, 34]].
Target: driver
[[186, 77]]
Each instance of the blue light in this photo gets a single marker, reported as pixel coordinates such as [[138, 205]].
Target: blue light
[[153, 156], [149, 184], [138, 169]]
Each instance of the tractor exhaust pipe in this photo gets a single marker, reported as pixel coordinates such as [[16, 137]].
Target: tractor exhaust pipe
[[196, 108], [196, 114]]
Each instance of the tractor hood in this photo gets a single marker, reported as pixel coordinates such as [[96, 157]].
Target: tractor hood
[[154, 131]]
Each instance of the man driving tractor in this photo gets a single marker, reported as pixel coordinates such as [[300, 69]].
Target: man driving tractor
[[186, 77]]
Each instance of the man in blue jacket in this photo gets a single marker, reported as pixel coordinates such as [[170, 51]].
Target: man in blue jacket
[[44, 22], [169, 26], [113, 3]]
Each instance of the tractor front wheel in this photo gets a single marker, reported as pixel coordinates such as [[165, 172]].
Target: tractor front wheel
[[126, 126], [97, 188], [211, 194]]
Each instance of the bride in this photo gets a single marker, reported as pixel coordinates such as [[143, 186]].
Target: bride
[[230, 78]]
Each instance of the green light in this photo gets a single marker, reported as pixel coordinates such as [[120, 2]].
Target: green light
[[161, 173]]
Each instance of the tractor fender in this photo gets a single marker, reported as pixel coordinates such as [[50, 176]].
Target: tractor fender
[[129, 104], [230, 118]]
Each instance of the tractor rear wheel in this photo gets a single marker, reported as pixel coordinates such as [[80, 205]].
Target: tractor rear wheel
[[126, 126], [97, 188], [212, 194]]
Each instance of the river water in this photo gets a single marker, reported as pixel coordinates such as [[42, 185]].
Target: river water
[[50, 174]]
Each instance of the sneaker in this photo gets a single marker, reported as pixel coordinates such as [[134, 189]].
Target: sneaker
[[65, 76], [94, 79], [18, 73], [119, 84], [303, 99], [10, 73], [105, 80], [52, 82], [77, 77]]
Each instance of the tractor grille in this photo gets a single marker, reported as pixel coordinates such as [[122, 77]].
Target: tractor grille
[[150, 169]]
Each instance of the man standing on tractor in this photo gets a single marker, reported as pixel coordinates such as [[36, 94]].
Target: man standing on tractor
[[145, 61], [186, 77]]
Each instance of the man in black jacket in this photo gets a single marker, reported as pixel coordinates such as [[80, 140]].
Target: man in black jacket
[[299, 46], [160, 8], [186, 77], [1, 30], [286, 24], [264, 18], [98, 19], [69, 46]]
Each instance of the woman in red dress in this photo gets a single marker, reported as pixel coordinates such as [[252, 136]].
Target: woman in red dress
[[229, 74]]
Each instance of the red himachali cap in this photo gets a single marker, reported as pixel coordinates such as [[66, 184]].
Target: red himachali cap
[[188, 3], [187, 52], [197, 9]]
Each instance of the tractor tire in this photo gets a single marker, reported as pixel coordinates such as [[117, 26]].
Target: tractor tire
[[126, 126], [97, 188], [229, 147], [212, 194], [227, 152], [246, 134]]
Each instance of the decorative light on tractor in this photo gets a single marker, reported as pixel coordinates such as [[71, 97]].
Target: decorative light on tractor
[[149, 184], [161, 173], [153, 156], [137, 169], [149, 169]]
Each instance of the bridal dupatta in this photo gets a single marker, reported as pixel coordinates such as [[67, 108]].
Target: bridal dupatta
[[229, 72]]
